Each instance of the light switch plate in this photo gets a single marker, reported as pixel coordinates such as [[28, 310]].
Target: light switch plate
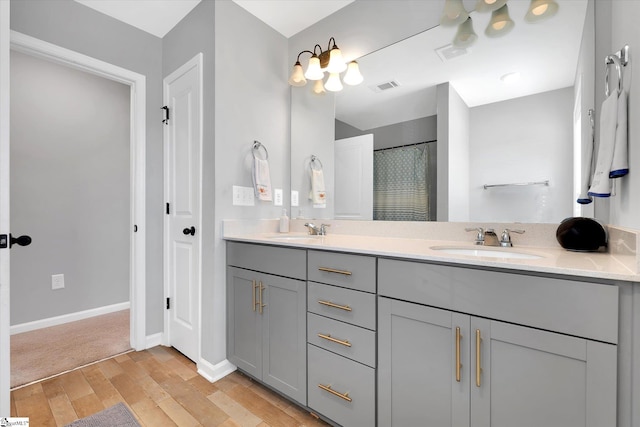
[[277, 197], [243, 196], [294, 198]]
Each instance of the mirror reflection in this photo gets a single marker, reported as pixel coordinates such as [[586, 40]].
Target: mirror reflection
[[483, 133]]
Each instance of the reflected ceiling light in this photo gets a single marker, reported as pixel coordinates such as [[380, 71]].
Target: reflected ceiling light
[[454, 13], [489, 5], [465, 36], [329, 61], [318, 88], [500, 23], [539, 10]]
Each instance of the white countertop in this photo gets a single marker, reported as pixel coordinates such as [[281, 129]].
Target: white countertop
[[553, 260]]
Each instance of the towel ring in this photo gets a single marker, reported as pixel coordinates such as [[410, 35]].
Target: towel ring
[[315, 160], [612, 59], [256, 149]]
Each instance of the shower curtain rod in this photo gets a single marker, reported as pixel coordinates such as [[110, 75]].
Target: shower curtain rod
[[406, 145]]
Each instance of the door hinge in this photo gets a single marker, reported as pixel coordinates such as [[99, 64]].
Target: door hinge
[[4, 241], [168, 208], [166, 115], [168, 303]]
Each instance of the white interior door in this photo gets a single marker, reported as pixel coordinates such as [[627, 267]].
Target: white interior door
[[5, 367], [354, 172], [183, 243]]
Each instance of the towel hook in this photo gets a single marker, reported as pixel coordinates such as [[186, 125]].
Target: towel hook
[[314, 160], [256, 149]]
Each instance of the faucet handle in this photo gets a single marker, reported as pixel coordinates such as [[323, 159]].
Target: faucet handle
[[505, 239], [323, 229], [479, 236]]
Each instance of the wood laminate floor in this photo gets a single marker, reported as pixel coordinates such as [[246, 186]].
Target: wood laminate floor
[[162, 388]]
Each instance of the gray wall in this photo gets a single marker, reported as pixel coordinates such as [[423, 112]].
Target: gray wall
[[69, 189], [73, 26], [409, 132], [251, 103], [194, 34]]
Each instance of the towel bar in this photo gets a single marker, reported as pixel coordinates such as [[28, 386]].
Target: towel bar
[[517, 184]]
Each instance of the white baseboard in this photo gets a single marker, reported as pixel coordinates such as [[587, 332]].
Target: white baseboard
[[66, 318], [154, 340], [215, 372]]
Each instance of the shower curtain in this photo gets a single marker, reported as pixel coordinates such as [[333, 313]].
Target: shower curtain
[[400, 183]]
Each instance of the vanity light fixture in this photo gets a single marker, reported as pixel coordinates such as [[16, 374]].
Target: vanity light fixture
[[501, 23], [539, 10], [329, 61]]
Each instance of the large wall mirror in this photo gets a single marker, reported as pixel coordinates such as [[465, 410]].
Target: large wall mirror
[[492, 128]]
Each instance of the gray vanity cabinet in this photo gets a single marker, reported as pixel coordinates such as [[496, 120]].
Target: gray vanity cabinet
[[439, 365], [266, 318]]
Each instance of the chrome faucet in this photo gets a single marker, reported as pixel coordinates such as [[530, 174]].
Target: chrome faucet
[[484, 237], [317, 231], [505, 239]]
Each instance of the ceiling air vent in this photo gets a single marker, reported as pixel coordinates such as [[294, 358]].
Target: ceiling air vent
[[381, 87], [449, 52]]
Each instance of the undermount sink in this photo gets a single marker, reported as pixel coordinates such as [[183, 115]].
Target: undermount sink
[[504, 253], [299, 238]]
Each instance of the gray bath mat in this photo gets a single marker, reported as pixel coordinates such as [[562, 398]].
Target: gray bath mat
[[116, 416]]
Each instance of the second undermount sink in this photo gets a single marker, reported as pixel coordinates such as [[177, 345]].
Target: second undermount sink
[[504, 253]]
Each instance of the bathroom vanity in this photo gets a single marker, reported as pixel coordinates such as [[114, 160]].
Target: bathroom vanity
[[387, 331]]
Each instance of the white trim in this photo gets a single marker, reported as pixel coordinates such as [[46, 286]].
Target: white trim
[[5, 366], [215, 372], [67, 318], [196, 61], [154, 340], [137, 82]]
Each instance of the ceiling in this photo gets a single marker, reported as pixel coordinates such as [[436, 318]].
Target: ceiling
[[158, 17]]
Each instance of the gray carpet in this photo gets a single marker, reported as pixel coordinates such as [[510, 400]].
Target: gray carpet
[[116, 416]]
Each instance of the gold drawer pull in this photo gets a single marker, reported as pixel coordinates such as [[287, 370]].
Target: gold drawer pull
[[335, 340], [335, 393], [330, 304], [333, 270], [458, 364], [478, 362]]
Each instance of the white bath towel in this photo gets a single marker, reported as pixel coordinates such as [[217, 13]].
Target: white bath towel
[[620, 162], [261, 179], [600, 185], [587, 171], [318, 194]]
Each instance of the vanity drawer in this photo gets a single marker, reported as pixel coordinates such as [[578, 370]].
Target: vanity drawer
[[588, 310], [285, 262], [347, 340], [357, 308], [351, 380], [349, 271]]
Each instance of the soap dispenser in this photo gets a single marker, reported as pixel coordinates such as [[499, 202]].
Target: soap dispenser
[[284, 222]]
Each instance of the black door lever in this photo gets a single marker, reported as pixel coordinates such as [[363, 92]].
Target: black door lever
[[21, 241]]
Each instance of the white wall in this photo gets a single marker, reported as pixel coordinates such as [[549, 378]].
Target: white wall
[[525, 139], [69, 189]]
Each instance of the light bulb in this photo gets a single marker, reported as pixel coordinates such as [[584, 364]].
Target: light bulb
[[336, 63], [333, 83], [500, 23], [465, 36], [297, 76], [318, 88], [353, 76], [313, 70], [539, 10], [454, 13]]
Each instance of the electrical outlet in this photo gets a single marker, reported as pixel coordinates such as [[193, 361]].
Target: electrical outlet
[[277, 197], [294, 198], [57, 281]]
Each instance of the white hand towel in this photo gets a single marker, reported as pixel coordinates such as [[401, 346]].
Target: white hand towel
[[318, 194], [600, 185], [586, 173], [262, 179], [620, 162]]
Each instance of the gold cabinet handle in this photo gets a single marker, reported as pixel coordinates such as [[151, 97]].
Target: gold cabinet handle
[[335, 340], [253, 294], [330, 304], [458, 364], [260, 304], [478, 364], [328, 388], [333, 270]]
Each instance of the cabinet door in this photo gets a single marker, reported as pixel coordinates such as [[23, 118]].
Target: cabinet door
[[417, 364], [533, 378], [284, 327], [244, 335]]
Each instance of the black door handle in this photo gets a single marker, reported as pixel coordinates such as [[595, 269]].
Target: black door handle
[[21, 241], [191, 231]]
